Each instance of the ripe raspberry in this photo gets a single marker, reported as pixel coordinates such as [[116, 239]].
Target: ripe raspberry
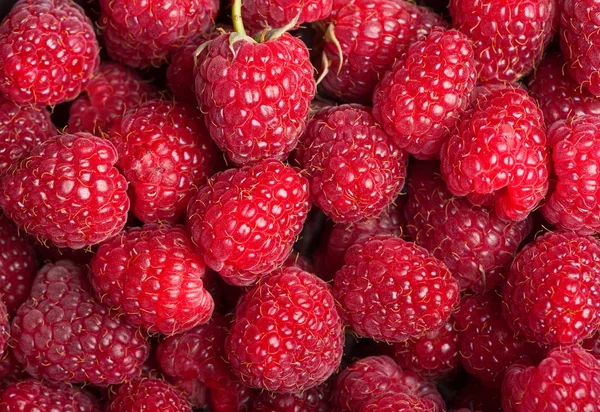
[[375, 376], [573, 202], [498, 154], [21, 129], [286, 335], [262, 14], [398, 402], [245, 221], [10, 369], [232, 398], [552, 291], [166, 154], [559, 96], [256, 96], [472, 241], [354, 169], [509, 36], [393, 290], [48, 52], [194, 391], [62, 334], [33, 395], [67, 190], [153, 276], [311, 400], [112, 91], [146, 394], [148, 33], [421, 99], [567, 380], [371, 34], [580, 43]]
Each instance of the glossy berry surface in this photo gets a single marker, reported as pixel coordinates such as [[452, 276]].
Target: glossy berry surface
[[264, 14], [144, 394], [398, 402]]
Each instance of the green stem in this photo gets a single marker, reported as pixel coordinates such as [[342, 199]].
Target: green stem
[[236, 16]]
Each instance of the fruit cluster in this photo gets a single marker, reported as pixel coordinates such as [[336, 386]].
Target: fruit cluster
[[300, 206]]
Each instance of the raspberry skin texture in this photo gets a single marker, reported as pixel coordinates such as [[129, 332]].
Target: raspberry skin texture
[[245, 221], [21, 129], [573, 202], [393, 290], [262, 14], [567, 380], [194, 391], [110, 93], [509, 36], [422, 98], [153, 276], [286, 334], [255, 96], [372, 34], [353, 167], [552, 291], [559, 96], [311, 400], [146, 394], [33, 395], [398, 402], [165, 153], [148, 33], [62, 334], [476, 245], [498, 155]]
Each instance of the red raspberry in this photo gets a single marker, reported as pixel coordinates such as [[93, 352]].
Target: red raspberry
[[509, 36], [371, 34], [552, 292], [375, 376], [263, 14], [354, 169], [10, 369], [498, 154], [393, 290], [398, 402], [559, 96], [48, 52], [286, 335], [245, 220], [194, 390], [567, 380], [256, 96], [232, 398], [62, 334], [580, 42], [574, 200], [146, 394], [67, 190], [153, 276], [592, 345], [21, 129], [166, 154], [141, 34], [33, 395], [311, 400], [472, 241], [112, 91], [421, 99]]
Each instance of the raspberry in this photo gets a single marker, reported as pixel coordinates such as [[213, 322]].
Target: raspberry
[[33, 395], [48, 52], [371, 34], [552, 291], [166, 154], [145, 394], [592, 345], [263, 14], [498, 154], [567, 380], [194, 390], [353, 167], [231, 398], [311, 400], [421, 99], [286, 335], [393, 290], [141, 34], [509, 36], [153, 276], [67, 190], [10, 369], [559, 96], [21, 129], [574, 200], [398, 402], [62, 334], [472, 241], [245, 221], [256, 96], [112, 91]]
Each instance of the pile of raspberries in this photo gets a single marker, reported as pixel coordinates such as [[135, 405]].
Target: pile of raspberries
[[300, 206]]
